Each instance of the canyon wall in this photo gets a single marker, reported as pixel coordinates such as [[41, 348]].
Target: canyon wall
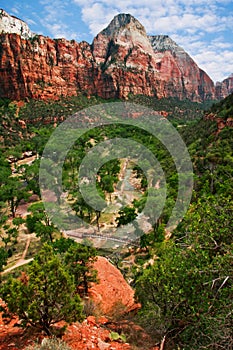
[[122, 60]]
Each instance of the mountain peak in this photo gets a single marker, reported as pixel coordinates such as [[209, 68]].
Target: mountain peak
[[117, 41], [121, 21]]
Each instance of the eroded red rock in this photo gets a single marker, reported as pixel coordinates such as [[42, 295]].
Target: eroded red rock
[[112, 294]]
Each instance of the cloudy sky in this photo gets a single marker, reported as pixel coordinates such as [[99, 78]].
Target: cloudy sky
[[204, 28]]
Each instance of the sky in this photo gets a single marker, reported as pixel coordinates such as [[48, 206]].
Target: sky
[[204, 28]]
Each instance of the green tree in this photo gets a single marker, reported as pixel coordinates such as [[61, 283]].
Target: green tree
[[39, 222], [88, 211], [61, 245], [3, 258], [126, 215], [5, 170], [209, 220], [46, 295], [187, 293], [9, 234], [80, 258], [40, 138], [31, 176], [13, 192], [80, 206], [108, 175], [186, 296]]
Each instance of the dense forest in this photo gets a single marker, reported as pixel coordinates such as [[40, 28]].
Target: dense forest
[[183, 279]]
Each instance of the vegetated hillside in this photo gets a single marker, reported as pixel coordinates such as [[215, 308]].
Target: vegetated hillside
[[224, 108], [183, 283], [18, 119], [187, 291], [177, 111]]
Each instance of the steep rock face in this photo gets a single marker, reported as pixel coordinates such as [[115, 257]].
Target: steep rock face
[[125, 57], [224, 88], [122, 60], [150, 65], [44, 68], [180, 71]]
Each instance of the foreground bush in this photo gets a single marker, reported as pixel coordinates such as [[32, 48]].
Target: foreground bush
[[45, 295]]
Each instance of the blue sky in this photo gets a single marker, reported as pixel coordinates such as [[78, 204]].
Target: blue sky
[[204, 28]]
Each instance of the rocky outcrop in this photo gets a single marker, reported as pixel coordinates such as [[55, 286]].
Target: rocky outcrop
[[224, 88], [122, 60], [112, 294], [221, 122], [180, 71], [90, 334], [11, 24]]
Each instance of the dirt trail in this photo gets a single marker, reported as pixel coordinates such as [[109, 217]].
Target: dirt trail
[[26, 248], [122, 175], [18, 264], [21, 261]]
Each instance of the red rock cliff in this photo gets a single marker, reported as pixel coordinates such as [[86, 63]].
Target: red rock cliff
[[224, 88], [122, 60]]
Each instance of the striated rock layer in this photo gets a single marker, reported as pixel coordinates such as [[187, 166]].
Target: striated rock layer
[[122, 60]]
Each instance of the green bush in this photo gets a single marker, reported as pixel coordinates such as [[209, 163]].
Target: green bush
[[47, 296], [186, 295]]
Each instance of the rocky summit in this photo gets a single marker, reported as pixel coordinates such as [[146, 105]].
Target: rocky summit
[[122, 60]]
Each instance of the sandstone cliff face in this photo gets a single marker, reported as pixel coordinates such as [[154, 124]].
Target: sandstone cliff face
[[224, 88], [122, 60], [180, 70], [44, 68], [150, 65]]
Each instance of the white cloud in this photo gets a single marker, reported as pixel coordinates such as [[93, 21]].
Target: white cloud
[[216, 58], [97, 17], [167, 15], [15, 10], [218, 68], [56, 19], [29, 21]]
